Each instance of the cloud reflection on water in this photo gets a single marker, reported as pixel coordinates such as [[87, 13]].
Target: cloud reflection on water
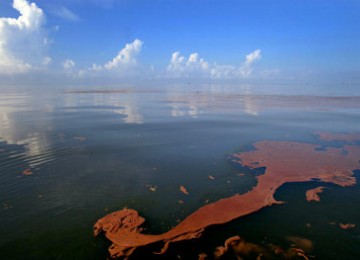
[[242, 100], [122, 102], [211, 99], [17, 127], [135, 106], [33, 120]]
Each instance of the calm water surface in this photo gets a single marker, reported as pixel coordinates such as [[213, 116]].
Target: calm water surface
[[89, 151]]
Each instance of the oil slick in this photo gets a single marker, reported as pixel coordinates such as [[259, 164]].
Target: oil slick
[[238, 248], [284, 163], [183, 190], [27, 172], [347, 226], [313, 194]]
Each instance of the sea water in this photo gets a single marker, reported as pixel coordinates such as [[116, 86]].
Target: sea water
[[70, 155]]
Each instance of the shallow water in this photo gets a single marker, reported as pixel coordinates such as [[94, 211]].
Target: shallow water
[[92, 150]]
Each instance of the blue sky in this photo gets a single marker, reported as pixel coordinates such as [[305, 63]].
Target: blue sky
[[285, 39]]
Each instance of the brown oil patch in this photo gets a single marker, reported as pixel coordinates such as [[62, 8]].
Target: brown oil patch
[[27, 172], [239, 248], [329, 137], [347, 226], [284, 161], [313, 194], [184, 190], [301, 242]]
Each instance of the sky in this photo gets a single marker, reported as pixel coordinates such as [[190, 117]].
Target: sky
[[77, 40]]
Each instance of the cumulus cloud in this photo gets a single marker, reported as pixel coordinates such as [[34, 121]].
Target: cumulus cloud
[[23, 41], [181, 66], [68, 64], [125, 57], [253, 56], [125, 62], [194, 66], [246, 68]]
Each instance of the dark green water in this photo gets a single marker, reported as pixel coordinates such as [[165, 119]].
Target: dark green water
[[92, 152]]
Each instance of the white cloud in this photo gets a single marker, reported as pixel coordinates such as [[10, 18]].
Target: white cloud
[[253, 56], [68, 64], [124, 63], [65, 14], [126, 56], [23, 41], [69, 68], [181, 66], [194, 66], [246, 69]]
